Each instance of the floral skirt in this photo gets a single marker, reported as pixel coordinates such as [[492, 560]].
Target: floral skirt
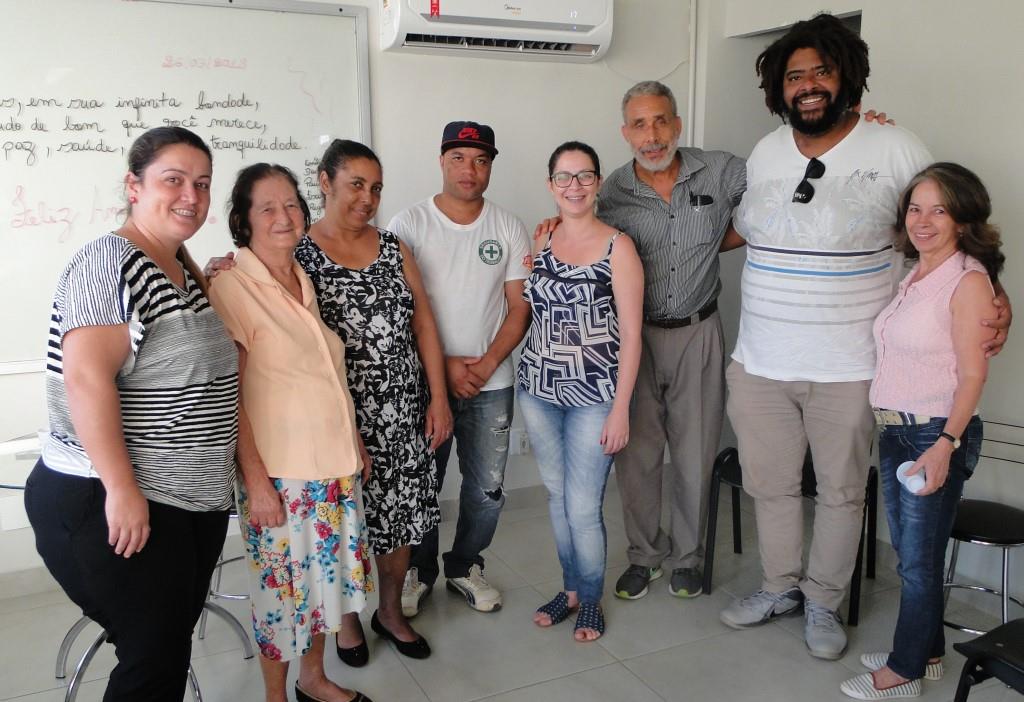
[[305, 575]]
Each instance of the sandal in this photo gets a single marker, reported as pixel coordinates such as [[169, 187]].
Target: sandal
[[558, 609], [591, 616]]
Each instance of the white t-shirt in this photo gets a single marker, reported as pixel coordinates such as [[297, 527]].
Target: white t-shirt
[[465, 268], [818, 273]]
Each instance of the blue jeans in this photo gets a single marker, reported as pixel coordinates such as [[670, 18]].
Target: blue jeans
[[574, 468], [920, 529], [481, 434]]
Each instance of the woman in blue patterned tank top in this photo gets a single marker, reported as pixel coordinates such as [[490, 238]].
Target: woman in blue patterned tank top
[[576, 376]]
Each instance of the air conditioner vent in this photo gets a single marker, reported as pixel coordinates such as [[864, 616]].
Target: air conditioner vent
[[427, 41]]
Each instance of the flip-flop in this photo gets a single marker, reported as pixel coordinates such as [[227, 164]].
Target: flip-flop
[[558, 609]]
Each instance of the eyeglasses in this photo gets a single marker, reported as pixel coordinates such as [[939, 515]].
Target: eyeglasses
[[804, 190], [564, 179]]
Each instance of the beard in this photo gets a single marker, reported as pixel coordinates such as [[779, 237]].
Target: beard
[[829, 118], [666, 160]]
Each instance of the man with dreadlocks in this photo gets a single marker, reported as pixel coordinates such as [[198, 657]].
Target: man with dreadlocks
[[818, 218]]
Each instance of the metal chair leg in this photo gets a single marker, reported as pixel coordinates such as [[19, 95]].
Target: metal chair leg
[[869, 566], [712, 531], [950, 572], [83, 663], [234, 624], [193, 683], [737, 527], [214, 585], [65, 647], [1006, 585]]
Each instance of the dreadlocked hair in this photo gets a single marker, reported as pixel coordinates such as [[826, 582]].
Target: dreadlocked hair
[[834, 42]]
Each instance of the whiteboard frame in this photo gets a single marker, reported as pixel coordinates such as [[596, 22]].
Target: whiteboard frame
[[358, 13]]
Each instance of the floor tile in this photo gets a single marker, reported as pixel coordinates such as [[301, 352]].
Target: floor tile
[[611, 683]]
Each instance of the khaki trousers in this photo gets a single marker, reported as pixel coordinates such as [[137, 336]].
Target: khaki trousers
[[775, 421], [678, 402]]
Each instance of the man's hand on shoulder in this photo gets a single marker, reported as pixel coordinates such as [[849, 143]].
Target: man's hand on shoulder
[[879, 117]]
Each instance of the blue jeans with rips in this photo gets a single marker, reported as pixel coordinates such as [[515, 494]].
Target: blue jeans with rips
[[481, 439], [920, 527], [574, 467]]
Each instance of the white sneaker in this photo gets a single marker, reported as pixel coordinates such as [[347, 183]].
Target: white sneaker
[[480, 595], [413, 593], [877, 661], [823, 632]]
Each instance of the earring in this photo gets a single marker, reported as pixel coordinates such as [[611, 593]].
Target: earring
[[132, 199]]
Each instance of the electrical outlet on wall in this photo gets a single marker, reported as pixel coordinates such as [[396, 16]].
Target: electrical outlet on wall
[[518, 441]]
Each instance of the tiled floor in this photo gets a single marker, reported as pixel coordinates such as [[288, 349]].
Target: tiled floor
[[656, 648]]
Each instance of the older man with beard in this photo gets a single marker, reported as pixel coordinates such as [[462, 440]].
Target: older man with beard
[[676, 204]]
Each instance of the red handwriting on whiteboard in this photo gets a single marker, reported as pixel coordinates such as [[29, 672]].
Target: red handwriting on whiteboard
[[204, 62], [41, 215]]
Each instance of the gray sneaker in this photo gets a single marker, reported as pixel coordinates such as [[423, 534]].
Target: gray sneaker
[[686, 582], [632, 585], [823, 631], [761, 608]]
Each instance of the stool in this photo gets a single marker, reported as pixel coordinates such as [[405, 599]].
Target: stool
[[86, 659], [215, 593], [998, 654], [987, 524], [727, 470]]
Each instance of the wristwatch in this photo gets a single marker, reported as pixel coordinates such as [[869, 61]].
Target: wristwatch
[[952, 439]]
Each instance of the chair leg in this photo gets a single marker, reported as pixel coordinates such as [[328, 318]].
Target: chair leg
[[963, 687], [214, 585], [737, 527], [853, 612], [65, 647], [83, 663], [1006, 585], [872, 506], [234, 624], [950, 572], [193, 683], [712, 530]]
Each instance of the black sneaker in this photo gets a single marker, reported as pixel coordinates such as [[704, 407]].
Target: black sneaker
[[686, 582], [632, 585]]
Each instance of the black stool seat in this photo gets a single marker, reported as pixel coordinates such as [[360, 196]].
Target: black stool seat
[[981, 521], [998, 654]]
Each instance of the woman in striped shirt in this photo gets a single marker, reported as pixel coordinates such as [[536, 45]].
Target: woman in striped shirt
[[130, 499]]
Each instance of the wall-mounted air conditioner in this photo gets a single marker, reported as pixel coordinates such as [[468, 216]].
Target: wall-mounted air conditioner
[[566, 30]]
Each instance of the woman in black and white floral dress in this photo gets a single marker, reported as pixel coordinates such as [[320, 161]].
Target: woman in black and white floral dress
[[371, 294]]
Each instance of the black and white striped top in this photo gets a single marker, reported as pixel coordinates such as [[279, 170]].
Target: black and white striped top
[[178, 387]]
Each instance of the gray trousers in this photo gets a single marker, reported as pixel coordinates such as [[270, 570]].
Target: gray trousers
[[678, 402]]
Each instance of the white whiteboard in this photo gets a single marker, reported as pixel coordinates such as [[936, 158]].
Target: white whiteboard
[[258, 80]]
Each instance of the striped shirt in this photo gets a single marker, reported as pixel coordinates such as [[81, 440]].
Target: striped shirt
[[678, 242], [819, 272], [178, 387]]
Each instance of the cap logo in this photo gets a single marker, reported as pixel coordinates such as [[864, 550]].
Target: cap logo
[[469, 133]]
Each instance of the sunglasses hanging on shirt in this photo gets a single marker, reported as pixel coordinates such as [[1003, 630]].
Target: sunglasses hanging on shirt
[[804, 189]]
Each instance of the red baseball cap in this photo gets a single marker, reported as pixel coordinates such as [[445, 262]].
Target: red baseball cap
[[472, 134]]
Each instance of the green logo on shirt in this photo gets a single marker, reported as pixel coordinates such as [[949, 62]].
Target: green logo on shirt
[[490, 252]]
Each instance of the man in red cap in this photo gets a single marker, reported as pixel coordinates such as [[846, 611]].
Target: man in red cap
[[471, 253]]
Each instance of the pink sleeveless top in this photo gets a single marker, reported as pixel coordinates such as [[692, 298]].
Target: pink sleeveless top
[[915, 368]]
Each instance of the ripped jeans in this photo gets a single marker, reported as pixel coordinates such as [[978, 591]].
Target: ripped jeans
[[481, 435]]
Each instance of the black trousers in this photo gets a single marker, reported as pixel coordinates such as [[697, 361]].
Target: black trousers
[[149, 603]]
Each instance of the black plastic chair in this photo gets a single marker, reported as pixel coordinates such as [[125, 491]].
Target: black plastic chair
[[727, 470], [986, 524], [998, 654]]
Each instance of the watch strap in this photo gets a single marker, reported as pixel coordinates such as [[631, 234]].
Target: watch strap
[[952, 439]]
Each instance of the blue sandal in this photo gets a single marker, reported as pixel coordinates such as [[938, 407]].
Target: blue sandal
[[591, 616], [557, 609]]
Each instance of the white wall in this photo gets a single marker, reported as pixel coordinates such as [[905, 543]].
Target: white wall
[[533, 107], [948, 71]]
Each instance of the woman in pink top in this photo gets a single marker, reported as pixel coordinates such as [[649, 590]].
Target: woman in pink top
[[299, 453], [929, 376]]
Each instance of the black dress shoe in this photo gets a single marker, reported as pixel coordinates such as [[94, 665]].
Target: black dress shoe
[[413, 649], [357, 656], [303, 696]]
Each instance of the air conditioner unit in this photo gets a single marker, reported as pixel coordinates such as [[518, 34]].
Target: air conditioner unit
[[565, 30]]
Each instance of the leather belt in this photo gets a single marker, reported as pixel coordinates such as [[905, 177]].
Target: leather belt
[[698, 316], [888, 418]]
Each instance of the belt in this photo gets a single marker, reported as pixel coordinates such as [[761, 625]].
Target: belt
[[698, 316], [888, 418]]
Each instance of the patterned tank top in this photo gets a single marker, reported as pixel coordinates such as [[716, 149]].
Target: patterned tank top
[[571, 357]]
